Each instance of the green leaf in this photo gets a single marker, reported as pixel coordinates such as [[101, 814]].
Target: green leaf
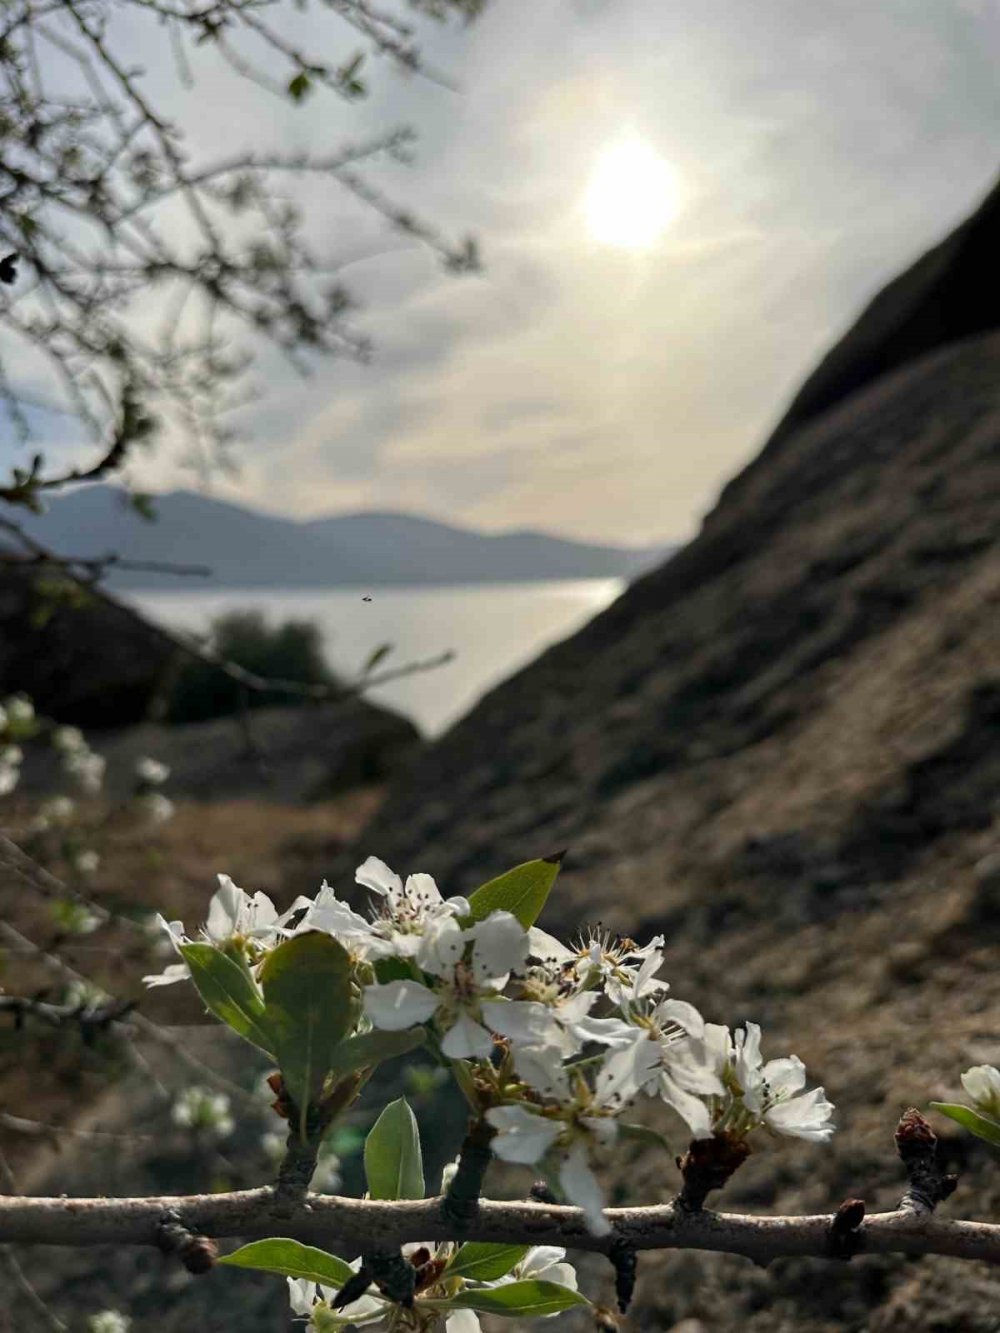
[[292, 1259], [521, 891], [394, 969], [976, 1123], [307, 998], [480, 1262], [377, 655], [527, 1300], [371, 1048], [229, 993], [394, 1165]]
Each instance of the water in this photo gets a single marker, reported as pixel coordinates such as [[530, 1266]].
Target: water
[[494, 629]]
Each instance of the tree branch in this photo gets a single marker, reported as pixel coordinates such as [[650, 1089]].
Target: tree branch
[[248, 680], [363, 1224]]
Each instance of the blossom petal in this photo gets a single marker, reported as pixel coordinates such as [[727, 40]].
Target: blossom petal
[[691, 1109], [547, 948], [683, 1015], [375, 875], [542, 1069], [521, 1135], [580, 1186], [301, 1295], [806, 1117], [501, 946], [462, 1321], [466, 1039], [441, 946], [399, 1004], [229, 903], [526, 1023], [784, 1077], [420, 891], [625, 1071], [982, 1083], [174, 972], [607, 1031]]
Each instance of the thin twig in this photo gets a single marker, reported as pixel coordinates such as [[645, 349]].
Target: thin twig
[[20, 1279], [248, 680]]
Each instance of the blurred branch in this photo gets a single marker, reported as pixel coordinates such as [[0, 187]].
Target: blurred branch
[[22, 1283], [138, 1023], [37, 1129], [90, 168], [89, 1018], [248, 680]]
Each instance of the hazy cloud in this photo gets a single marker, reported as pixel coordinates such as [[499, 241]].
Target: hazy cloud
[[590, 390]]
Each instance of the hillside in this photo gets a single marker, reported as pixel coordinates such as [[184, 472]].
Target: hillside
[[782, 750], [245, 548]]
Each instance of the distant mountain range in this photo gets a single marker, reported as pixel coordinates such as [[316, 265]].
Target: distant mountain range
[[249, 549]]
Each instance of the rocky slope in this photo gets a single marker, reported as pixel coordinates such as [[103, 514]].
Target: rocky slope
[[782, 750]]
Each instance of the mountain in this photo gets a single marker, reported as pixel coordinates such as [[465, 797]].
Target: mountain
[[246, 548], [781, 750]]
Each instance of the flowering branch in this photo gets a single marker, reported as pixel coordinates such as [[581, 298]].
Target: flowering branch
[[364, 1223], [549, 1044]]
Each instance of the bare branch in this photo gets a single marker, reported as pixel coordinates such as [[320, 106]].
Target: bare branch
[[19, 1278], [248, 680]]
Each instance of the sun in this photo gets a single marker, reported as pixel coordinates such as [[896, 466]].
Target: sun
[[632, 196]]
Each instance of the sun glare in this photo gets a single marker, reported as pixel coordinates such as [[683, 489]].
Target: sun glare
[[632, 196]]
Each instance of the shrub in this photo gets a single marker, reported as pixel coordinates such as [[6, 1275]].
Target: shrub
[[289, 651]]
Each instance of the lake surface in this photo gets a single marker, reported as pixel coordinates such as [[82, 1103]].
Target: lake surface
[[493, 629]]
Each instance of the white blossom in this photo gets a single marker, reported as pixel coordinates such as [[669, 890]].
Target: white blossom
[[599, 958], [546, 1263], [198, 1108], [59, 810], [151, 771], [499, 943], [19, 710], [86, 861], [86, 768], [563, 1134], [755, 1094], [982, 1083], [522, 1136], [156, 807], [232, 914], [68, 740], [109, 1321]]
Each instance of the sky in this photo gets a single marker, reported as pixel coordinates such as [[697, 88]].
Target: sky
[[680, 206]]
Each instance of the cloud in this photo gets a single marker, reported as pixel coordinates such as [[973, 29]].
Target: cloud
[[590, 391]]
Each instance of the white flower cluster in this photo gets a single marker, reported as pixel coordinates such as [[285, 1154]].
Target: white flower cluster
[[982, 1083], [79, 761], [550, 1043], [198, 1108], [545, 1263], [150, 775], [109, 1321], [17, 717]]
